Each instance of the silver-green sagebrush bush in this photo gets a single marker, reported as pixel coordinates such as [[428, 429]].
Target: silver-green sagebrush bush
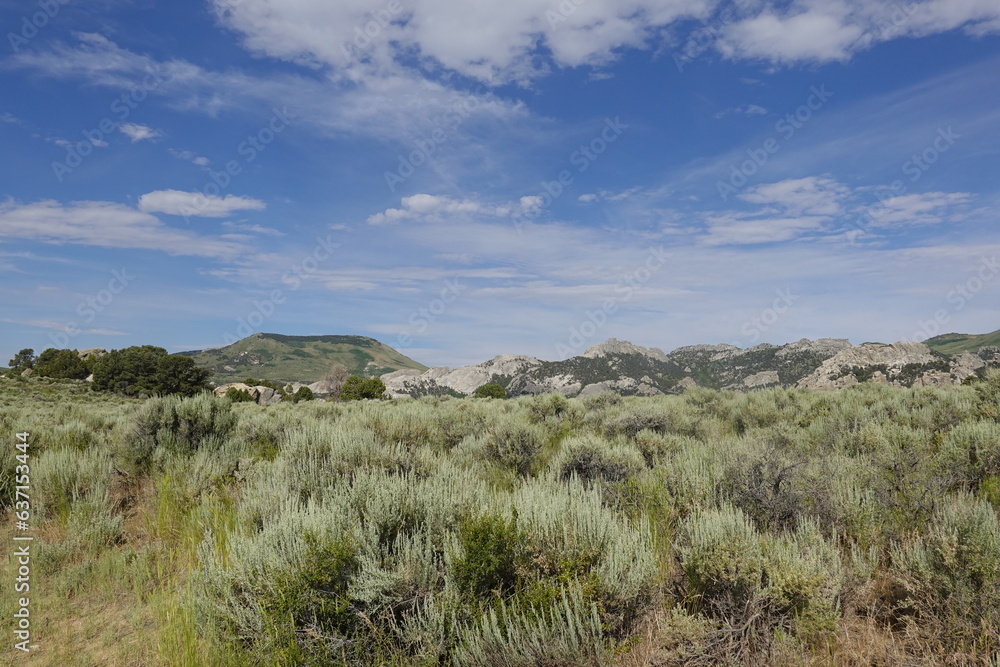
[[951, 576]]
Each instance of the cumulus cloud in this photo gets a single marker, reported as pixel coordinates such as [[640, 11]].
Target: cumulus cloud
[[177, 202], [522, 39]]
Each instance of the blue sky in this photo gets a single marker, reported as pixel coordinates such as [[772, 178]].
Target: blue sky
[[461, 180]]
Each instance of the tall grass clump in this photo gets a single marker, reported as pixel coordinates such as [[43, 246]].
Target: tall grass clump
[[568, 632]]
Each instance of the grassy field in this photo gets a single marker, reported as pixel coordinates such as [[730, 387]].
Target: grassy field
[[779, 527]]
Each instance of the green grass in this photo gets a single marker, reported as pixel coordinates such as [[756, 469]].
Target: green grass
[[778, 527], [955, 343], [300, 358]]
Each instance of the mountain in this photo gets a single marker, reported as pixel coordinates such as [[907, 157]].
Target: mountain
[[303, 359], [620, 366], [956, 343]]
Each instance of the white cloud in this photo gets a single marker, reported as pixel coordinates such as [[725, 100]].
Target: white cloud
[[254, 229], [814, 195], [738, 229], [821, 206], [386, 105], [928, 208], [431, 207], [137, 132], [189, 156], [747, 109], [522, 39], [831, 30], [105, 224], [485, 40], [176, 202], [588, 198]]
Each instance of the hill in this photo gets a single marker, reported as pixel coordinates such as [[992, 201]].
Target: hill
[[303, 359], [956, 343], [627, 369]]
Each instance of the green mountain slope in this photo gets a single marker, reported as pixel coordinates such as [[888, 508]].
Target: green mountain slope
[[955, 343], [299, 358]]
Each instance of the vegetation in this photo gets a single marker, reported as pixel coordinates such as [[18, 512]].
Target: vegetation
[[148, 371], [304, 359], [780, 527], [954, 343], [64, 364], [22, 361], [357, 388], [490, 390]]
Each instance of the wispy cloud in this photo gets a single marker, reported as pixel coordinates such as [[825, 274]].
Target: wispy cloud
[[137, 132], [176, 202], [106, 224]]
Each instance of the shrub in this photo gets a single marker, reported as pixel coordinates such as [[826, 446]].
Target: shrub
[[239, 395], [515, 445], [490, 390], [566, 633], [492, 550], [591, 459], [759, 583], [357, 388], [179, 425], [303, 394], [951, 576]]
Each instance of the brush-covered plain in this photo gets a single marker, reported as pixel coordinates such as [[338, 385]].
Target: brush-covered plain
[[776, 527]]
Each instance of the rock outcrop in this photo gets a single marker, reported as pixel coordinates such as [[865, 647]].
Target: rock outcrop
[[900, 364], [633, 370], [261, 394]]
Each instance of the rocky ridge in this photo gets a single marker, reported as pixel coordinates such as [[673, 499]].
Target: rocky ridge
[[628, 369]]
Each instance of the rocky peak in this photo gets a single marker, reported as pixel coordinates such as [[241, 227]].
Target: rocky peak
[[614, 346]]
